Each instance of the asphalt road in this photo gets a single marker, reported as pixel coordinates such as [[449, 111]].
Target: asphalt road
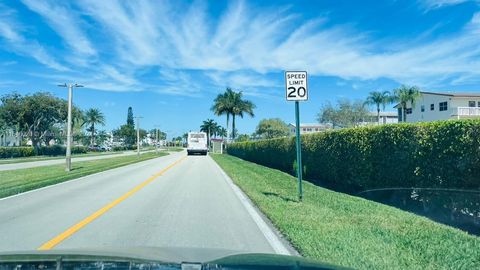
[[186, 202], [31, 164]]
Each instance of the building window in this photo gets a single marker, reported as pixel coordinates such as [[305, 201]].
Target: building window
[[400, 115], [422, 108], [471, 104], [432, 107], [304, 129], [478, 104], [443, 106], [409, 111]]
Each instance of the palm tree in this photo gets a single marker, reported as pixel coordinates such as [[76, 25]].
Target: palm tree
[[222, 104], [405, 94], [222, 132], [208, 126], [239, 107], [92, 117], [378, 98]]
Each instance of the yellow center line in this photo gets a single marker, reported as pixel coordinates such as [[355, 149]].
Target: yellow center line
[[70, 231]]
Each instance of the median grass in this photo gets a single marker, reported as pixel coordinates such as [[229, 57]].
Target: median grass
[[17, 181], [350, 231], [40, 158]]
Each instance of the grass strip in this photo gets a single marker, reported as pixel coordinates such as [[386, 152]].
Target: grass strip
[[21, 180], [349, 231], [40, 158]]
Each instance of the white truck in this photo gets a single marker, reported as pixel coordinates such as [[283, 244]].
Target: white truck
[[197, 143]]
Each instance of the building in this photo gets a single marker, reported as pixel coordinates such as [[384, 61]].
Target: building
[[9, 137], [385, 118], [306, 128], [432, 106]]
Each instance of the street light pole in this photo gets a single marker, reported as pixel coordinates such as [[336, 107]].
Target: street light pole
[[156, 137], [68, 154], [138, 135]]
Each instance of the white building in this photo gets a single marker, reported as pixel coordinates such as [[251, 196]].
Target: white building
[[432, 106], [385, 118], [9, 138], [306, 128]]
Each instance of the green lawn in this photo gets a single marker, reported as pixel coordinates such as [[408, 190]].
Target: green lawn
[[349, 231], [39, 158], [17, 181]]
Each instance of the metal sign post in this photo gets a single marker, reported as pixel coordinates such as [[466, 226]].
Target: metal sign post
[[296, 90]]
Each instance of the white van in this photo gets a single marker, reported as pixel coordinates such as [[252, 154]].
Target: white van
[[197, 143]]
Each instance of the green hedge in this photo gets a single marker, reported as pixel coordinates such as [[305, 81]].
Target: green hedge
[[14, 151], [443, 154], [27, 151]]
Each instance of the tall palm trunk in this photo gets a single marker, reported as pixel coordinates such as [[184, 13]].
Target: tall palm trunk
[[378, 114], [92, 141], [233, 126], [228, 118]]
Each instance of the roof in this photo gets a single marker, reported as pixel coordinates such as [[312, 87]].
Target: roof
[[384, 114], [453, 94], [314, 125]]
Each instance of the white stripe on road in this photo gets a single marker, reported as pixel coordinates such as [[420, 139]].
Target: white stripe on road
[[271, 237]]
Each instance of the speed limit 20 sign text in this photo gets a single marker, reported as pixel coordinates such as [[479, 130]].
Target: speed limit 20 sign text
[[296, 85]]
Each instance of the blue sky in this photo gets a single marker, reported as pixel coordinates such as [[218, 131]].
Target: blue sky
[[168, 60]]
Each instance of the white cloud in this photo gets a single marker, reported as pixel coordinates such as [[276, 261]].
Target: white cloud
[[65, 22], [434, 4], [241, 47]]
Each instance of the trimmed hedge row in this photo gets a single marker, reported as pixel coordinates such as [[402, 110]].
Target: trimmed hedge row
[[27, 151], [443, 154]]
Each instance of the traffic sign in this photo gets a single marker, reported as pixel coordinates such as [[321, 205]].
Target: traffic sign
[[296, 85]]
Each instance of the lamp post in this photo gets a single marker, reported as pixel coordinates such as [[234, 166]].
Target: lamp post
[[138, 134], [68, 155]]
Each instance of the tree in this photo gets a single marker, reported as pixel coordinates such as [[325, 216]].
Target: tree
[[231, 103], [222, 105], [208, 126], [222, 132], [272, 128], [130, 117], [240, 107], [34, 115], [405, 94], [127, 134], [92, 117], [378, 99], [345, 114], [243, 138]]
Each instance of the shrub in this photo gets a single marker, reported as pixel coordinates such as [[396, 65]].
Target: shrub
[[443, 154], [16, 151]]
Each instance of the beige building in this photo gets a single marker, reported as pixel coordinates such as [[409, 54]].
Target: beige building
[[432, 106]]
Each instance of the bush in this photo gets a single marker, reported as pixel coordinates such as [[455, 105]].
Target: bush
[[443, 154], [16, 151], [60, 150], [124, 148], [27, 151]]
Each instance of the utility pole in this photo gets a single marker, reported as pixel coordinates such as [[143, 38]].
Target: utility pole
[[156, 136], [68, 155], [138, 134]]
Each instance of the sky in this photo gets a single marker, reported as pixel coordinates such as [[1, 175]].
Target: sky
[[169, 59]]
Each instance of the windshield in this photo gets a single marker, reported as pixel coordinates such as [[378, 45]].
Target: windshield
[[340, 132]]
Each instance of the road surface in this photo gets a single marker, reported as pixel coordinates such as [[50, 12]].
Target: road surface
[[31, 164], [186, 201]]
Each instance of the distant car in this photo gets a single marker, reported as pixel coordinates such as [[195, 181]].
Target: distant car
[[197, 143], [96, 148]]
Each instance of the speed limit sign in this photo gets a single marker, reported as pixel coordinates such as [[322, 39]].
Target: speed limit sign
[[296, 85]]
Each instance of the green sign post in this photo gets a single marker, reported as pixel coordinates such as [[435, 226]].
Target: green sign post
[[296, 90]]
